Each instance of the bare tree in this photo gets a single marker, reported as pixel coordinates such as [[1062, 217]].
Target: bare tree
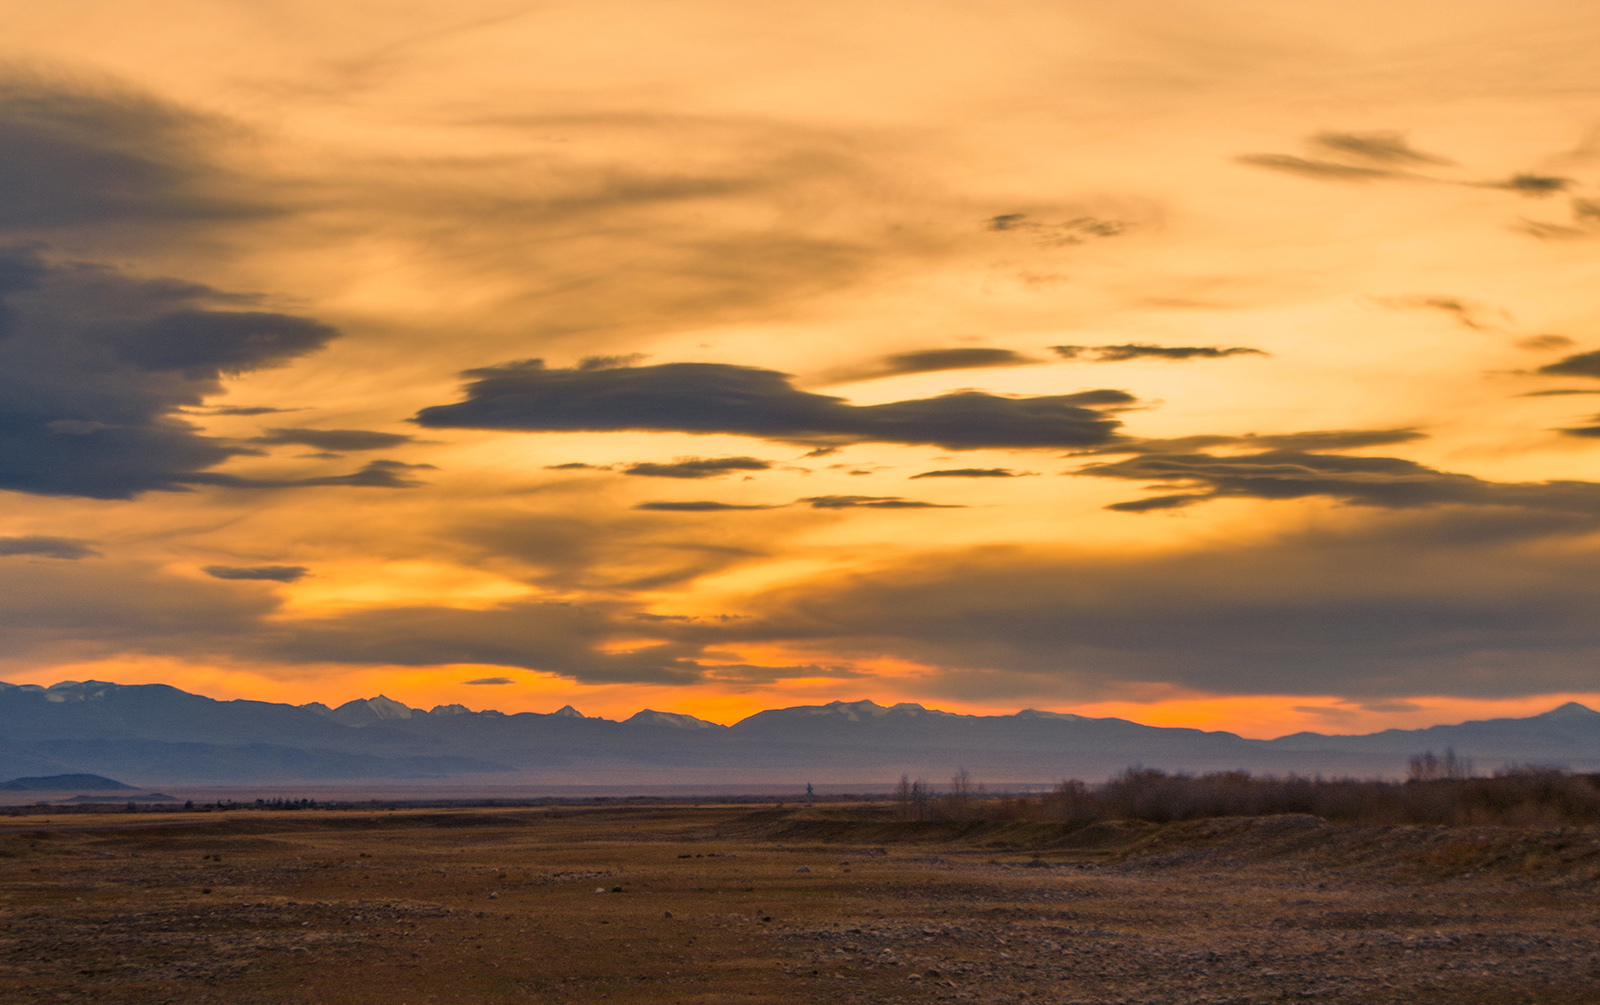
[[1430, 767]]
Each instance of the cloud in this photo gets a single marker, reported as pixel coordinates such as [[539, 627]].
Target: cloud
[[870, 502], [1391, 706], [1467, 313], [1537, 343], [94, 364], [1546, 231], [577, 466], [334, 439], [1384, 482], [68, 548], [240, 410], [1313, 440], [744, 673], [1384, 147], [749, 401], [1583, 364], [375, 475], [1067, 232], [270, 573], [1558, 392], [697, 467], [1587, 432], [971, 473], [929, 361], [696, 506], [134, 609], [83, 156], [490, 680], [1366, 157], [1318, 169], [1122, 353], [814, 502], [559, 638], [1532, 185]]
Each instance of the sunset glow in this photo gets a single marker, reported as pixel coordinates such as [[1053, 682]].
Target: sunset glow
[[1232, 365]]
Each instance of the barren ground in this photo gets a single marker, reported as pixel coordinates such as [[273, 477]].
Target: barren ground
[[741, 904]]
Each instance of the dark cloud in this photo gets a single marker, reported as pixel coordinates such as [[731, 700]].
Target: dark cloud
[[1418, 602], [334, 439], [68, 548], [1587, 432], [696, 506], [609, 362], [1385, 482], [748, 401], [270, 573], [1316, 440], [1557, 392], [1384, 147], [697, 467], [929, 360], [971, 473], [241, 410], [577, 466], [869, 502], [94, 364], [490, 680], [1583, 364], [1318, 169], [203, 344], [1066, 232], [1122, 353]]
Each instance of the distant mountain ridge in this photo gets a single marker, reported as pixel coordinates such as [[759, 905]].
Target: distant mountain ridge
[[162, 735]]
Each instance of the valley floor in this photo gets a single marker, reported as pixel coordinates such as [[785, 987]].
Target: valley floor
[[741, 904]]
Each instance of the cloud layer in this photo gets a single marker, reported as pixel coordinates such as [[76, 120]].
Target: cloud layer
[[1386, 482]]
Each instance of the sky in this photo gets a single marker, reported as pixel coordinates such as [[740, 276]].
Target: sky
[[1230, 364]]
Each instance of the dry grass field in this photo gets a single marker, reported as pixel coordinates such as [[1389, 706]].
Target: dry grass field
[[722, 904]]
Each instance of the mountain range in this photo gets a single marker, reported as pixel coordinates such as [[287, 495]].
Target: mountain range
[[160, 735]]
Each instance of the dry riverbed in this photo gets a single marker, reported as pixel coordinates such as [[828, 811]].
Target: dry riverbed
[[734, 904]]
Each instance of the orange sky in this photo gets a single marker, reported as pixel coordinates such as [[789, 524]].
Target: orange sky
[[1230, 366]]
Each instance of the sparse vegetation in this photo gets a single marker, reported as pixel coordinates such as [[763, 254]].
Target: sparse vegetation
[[1439, 791]]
